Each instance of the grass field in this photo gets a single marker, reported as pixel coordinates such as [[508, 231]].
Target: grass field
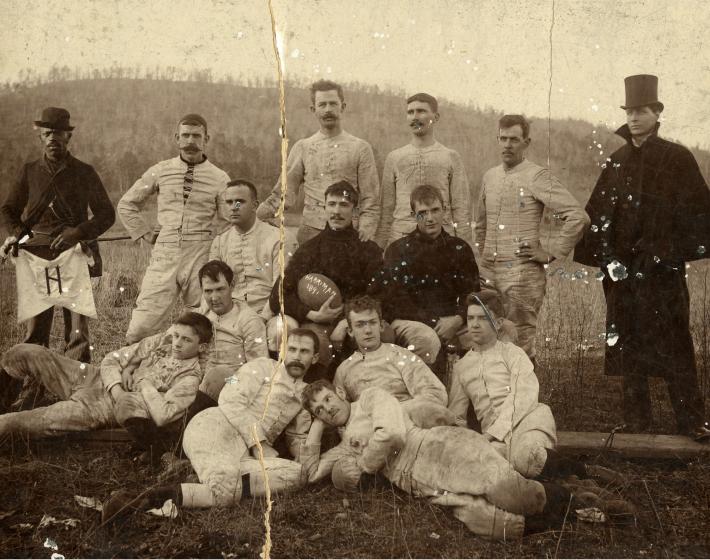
[[672, 498]]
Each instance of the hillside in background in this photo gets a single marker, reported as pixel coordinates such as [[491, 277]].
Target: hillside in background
[[125, 124]]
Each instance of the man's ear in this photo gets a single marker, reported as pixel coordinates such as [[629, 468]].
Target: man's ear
[[203, 347], [349, 330], [207, 138], [527, 141], [342, 106], [499, 323], [436, 117], [316, 357], [313, 108], [341, 393]]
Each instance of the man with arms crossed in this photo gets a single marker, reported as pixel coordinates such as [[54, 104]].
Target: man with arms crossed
[[329, 156], [188, 189]]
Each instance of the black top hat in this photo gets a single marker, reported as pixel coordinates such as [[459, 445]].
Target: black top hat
[[55, 118], [641, 90]]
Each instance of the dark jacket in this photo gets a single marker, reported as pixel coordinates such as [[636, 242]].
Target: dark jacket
[[77, 188], [424, 279], [650, 212], [339, 255]]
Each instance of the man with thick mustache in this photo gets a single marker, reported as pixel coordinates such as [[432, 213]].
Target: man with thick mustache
[[329, 156], [508, 228], [424, 161], [50, 202], [188, 189]]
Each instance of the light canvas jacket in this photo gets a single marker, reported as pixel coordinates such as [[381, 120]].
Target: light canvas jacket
[[316, 163], [198, 218], [510, 209], [408, 167]]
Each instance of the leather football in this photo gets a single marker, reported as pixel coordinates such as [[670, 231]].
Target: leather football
[[314, 289]]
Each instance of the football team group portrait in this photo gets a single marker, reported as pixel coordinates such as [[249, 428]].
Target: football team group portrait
[[396, 346]]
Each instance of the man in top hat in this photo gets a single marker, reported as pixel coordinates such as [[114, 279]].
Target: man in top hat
[[328, 156], [424, 161], [650, 212], [49, 202], [188, 189]]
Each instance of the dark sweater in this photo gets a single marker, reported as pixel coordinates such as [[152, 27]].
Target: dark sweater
[[424, 279], [341, 256]]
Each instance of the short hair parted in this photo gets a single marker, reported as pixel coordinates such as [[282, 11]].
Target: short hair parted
[[212, 269], [506, 121], [326, 85], [193, 119], [425, 194], [307, 333], [425, 98], [247, 184], [312, 389], [490, 299], [358, 304], [200, 324], [344, 189]]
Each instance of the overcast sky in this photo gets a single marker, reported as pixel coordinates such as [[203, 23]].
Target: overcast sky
[[486, 53]]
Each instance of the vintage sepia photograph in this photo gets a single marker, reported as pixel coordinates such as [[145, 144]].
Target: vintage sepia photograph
[[332, 279]]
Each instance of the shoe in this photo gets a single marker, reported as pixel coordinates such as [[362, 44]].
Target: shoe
[[121, 503], [701, 433], [173, 469], [606, 476]]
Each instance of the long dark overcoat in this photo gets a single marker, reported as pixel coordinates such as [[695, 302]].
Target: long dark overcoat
[[650, 214]]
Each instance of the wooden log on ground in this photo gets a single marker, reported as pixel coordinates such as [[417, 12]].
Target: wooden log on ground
[[646, 446]]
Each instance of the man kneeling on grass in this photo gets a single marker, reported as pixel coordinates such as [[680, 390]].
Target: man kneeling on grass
[[143, 387], [451, 465], [499, 380], [225, 443]]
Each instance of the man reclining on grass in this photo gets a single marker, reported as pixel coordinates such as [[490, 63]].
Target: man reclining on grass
[[452, 465], [143, 387], [223, 442], [498, 379]]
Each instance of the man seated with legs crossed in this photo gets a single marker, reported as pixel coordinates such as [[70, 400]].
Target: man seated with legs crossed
[[223, 443], [454, 466], [143, 387], [498, 379]]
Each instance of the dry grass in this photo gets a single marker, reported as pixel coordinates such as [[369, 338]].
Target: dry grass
[[673, 499]]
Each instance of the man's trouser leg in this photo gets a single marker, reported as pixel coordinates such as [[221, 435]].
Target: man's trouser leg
[[161, 286], [482, 518], [527, 451], [417, 337], [522, 290], [84, 404], [195, 254], [636, 401], [462, 461], [39, 327], [215, 450], [685, 397], [76, 336], [221, 459]]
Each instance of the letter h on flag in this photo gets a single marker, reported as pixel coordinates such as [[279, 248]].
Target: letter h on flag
[[63, 281]]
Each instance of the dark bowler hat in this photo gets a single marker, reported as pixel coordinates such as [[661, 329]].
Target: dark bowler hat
[[55, 118], [641, 90]]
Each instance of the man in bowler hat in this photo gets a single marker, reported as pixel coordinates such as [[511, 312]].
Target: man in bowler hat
[[650, 212], [49, 203]]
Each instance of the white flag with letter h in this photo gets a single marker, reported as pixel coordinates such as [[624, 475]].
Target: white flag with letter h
[[63, 281]]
